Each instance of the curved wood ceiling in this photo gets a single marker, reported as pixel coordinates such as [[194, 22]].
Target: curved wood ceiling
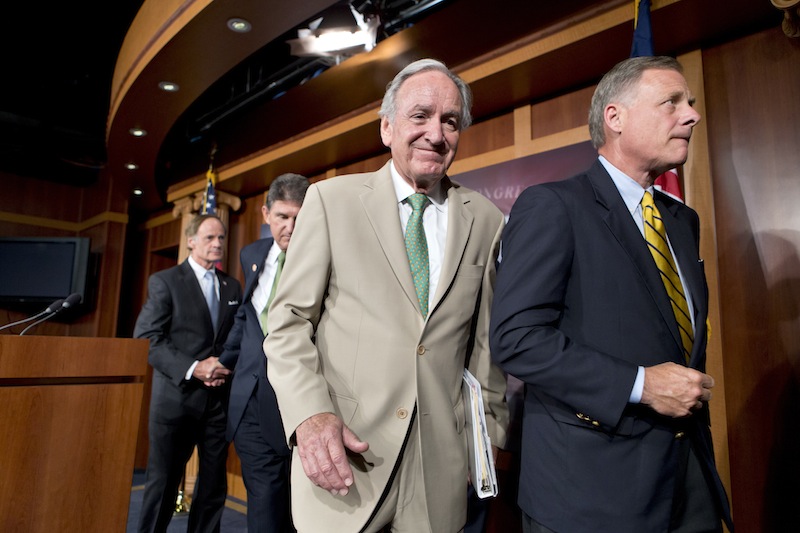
[[511, 52]]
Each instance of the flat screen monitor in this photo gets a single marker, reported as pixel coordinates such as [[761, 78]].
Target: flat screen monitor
[[43, 269]]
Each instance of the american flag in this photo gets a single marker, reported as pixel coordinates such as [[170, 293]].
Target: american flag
[[210, 196]]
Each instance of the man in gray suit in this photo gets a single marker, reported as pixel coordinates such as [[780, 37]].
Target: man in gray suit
[[187, 316], [366, 364]]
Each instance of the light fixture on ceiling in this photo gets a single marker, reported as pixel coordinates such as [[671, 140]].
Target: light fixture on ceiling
[[337, 35], [169, 87], [239, 25], [137, 132], [132, 166], [137, 191]]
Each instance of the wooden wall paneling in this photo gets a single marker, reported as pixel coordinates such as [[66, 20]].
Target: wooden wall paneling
[[25, 195], [487, 135], [370, 164], [561, 113], [698, 194], [754, 134]]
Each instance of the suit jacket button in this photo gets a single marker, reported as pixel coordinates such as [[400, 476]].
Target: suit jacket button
[[402, 413], [420, 350]]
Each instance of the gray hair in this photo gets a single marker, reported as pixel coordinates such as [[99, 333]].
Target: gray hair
[[618, 85], [197, 221], [287, 188], [389, 105]]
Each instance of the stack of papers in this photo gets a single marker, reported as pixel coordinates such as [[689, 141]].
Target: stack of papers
[[481, 461]]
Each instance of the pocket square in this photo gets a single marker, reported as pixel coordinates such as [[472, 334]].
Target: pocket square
[[233, 302]]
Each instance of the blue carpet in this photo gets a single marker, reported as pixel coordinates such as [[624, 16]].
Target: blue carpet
[[234, 517]]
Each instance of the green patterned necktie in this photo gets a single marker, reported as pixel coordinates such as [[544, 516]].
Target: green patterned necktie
[[656, 237], [263, 316], [417, 249]]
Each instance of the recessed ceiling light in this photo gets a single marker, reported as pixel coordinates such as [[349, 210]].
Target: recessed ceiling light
[[137, 191], [132, 166], [239, 25], [168, 86], [137, 132]]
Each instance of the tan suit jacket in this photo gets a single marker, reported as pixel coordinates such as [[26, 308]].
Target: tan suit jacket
[[347, 336]]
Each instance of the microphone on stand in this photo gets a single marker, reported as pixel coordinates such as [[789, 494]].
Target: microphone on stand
[[53, 309]]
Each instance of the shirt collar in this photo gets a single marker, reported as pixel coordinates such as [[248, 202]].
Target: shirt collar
[[199, 271], [403, 190], [272, 255], [628, 188]]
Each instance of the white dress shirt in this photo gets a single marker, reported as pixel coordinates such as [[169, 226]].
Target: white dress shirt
[[264, 286]]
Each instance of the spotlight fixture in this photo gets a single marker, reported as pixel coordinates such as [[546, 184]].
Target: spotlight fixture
[[137, 132], [338, 35], [169, 87], [132, 166], [137, 191], [239, 25]]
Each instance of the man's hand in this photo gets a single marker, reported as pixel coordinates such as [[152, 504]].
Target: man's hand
[[674, 390], [321, 442], [211, 372]]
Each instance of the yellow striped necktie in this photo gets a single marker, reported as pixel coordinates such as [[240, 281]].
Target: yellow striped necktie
[[417, 249], [656, 236]]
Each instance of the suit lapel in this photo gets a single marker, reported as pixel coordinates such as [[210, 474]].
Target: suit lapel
[[253, 266], [459, 225], [682, 241], [195, 292], [619, 222], [379, 201]]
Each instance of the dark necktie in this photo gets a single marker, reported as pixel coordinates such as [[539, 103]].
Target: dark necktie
[[211, 297], [417, 249], [656, 237], [263, 316]]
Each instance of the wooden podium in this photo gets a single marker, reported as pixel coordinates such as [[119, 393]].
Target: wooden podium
[[69, 417]]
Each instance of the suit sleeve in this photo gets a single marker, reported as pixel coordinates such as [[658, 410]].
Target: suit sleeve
[[154, 323], [491, 377], [230, 353], [528, 335]]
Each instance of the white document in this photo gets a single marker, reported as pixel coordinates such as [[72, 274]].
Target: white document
[[481, 461]]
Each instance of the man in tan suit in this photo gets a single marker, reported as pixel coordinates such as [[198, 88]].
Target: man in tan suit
[[366, 366]]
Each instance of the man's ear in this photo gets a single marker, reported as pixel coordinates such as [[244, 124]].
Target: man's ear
[[265, 213], [386, 132], [614, 117]]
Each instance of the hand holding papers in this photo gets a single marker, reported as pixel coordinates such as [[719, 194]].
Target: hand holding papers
[[481, 460]]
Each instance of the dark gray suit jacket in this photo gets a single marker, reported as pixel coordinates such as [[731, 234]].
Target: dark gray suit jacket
[[176, 320], [579, 305]]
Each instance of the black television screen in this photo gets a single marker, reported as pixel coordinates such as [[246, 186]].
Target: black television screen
[[41, 269]]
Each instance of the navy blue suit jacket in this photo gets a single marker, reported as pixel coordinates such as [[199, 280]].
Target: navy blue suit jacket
[[578, 306], [244, 353]]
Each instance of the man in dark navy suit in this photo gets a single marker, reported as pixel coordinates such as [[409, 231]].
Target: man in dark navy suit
[[611, 344], [254, 422], [187, 316]]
